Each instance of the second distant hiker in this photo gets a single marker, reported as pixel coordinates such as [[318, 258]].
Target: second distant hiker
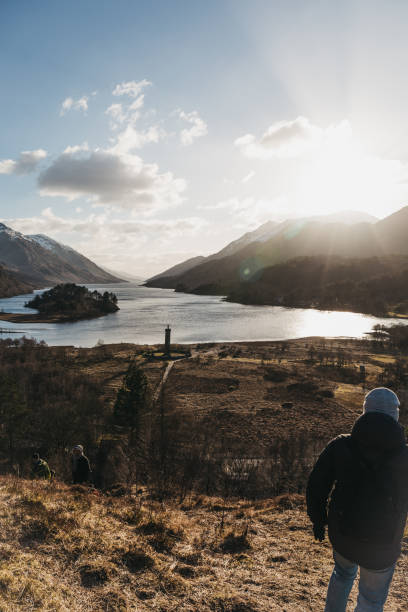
[[81, 469], [39, 468]]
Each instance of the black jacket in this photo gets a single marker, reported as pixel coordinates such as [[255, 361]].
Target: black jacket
[[82, 471], [377, 442]]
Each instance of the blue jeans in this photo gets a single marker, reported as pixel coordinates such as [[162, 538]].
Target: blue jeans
[[372, 587]]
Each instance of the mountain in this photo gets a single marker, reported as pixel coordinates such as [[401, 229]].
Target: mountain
[[372, 285], [125, 276], [263, 233], [41, 261], [11, 284], [180, 268], [319, 236]]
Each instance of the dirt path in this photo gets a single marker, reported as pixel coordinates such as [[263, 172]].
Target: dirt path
[[163, 381]]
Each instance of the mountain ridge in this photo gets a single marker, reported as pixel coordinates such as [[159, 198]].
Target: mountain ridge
[[41, 261], [293, 238]]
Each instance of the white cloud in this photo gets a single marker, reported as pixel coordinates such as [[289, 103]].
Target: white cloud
[[248, 177], [119, 243], [111, 178], [26, 163], [198, 127], [103, 224], [70, 104], [284, 139], [131, 88], [245, 213], [77, 148], [130, 139], [114, 176], [325, 169], [7, 166], [121, 114], [115, 111]]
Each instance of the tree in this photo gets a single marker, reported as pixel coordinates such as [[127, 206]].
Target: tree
[[14, 416], [132, 398], [132, 404]]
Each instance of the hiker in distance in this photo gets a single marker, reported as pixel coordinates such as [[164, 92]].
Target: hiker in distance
[[81, 469], [39, 468], [368, 504]]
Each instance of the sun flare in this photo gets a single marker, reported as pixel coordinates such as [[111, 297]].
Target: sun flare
[[340, 176]]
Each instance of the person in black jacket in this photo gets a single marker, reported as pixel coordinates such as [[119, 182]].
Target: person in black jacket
[[81, 470], [365, 475]]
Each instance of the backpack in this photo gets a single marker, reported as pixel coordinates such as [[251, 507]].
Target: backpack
[[366, 499]]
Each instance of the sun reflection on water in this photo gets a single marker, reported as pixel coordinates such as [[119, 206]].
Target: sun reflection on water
[[329, 323]]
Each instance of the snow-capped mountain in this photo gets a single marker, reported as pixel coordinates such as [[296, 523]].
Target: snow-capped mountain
[[48, 243], [42, 261]]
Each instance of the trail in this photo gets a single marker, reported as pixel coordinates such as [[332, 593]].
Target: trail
[[163, 381]]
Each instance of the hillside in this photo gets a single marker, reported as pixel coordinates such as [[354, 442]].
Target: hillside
[[67, 549], [180, 268], [264, 408], [41, 261], [300, 238], [372, 285], [213, 521], [262, 234], [11, 284]]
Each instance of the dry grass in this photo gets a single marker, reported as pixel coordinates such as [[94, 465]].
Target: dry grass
[[68, 550]]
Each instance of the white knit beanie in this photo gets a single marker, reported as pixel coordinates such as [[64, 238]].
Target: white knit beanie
[[382, 400]]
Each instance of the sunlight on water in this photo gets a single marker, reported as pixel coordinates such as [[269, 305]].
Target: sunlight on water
[[329, 323], [145, 312]]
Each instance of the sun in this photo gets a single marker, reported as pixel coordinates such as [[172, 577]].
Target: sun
[[340, 175]]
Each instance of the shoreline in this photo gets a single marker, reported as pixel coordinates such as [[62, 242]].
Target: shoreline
[[211, 346], [21, 317]]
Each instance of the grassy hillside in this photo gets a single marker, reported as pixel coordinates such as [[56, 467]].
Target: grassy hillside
[[242, 419], [372, 285], [11, 285], [70, 550], [189, 519]]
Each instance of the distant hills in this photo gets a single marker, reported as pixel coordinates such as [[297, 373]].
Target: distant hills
[[11, 284], [372, 285], [38, 261], [247, 260], [266, 239]]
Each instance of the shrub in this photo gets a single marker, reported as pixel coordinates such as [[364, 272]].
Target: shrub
[[235, 543], [274, 374], [137, 560], [93, 575]]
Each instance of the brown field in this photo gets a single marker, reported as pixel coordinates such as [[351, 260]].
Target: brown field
[[69, 549], [66, 549]]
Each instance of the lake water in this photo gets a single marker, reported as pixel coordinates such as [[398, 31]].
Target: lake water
[[145, 312]]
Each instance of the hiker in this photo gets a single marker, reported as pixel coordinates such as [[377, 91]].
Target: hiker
[[39, 468], [368, 505], [81, 470]]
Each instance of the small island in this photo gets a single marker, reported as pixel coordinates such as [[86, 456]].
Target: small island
[[66, 302]]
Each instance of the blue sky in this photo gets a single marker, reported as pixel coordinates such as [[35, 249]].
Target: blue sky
[[187, 123]]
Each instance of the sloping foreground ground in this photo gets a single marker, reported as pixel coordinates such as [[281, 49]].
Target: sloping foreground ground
[[66, 549]]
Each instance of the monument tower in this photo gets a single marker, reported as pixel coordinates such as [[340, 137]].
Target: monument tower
[[167, 332]]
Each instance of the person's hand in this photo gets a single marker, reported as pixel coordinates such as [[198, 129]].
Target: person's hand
[[318, 532]]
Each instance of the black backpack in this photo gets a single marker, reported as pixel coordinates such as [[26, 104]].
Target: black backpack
[[366, 499]]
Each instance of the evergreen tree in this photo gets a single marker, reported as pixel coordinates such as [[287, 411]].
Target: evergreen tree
[[14, 416], [132, 398]]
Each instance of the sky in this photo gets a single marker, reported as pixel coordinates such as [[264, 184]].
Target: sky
[[143, 133]]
